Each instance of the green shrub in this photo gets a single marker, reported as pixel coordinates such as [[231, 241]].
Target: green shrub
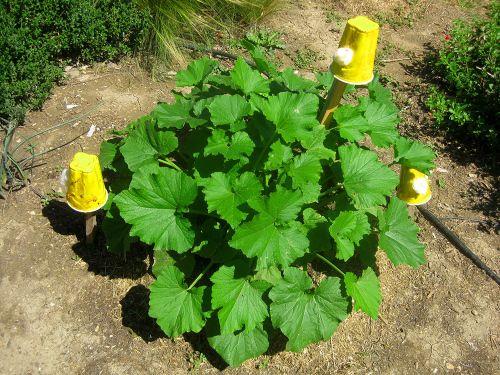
[[39, 36], [468, 97]]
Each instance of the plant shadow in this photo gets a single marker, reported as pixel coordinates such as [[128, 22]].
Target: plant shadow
[[135, 307], [67, 222]]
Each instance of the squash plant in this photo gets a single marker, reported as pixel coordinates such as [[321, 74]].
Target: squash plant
[[242, 195]]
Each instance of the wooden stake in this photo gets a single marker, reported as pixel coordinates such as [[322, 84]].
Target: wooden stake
[[332, 101], [90, 227]]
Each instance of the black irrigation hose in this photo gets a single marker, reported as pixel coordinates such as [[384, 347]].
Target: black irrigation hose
[[452, 237]]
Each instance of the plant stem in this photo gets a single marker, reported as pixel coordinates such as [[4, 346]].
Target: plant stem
[[200, 275], [330, 264], [261, 155], [332, 189], [170, 163], [202, 213]]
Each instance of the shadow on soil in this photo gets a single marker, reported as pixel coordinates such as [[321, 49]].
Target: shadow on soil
[[70, 223], [135, 307]]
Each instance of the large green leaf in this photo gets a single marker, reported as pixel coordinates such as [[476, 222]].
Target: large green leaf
[[283, 205], [196, 72], [303, 314], [176, 308], [366, 180], [271, 243], [347, 230], [414, 154], [279, 155], [248, 79], [107, 154], [313, 142], [365, 291], [227, 109], [306, 168], [153, 205], [350, 122], [239, 145], [116, 231], [174, 115], [398, 235], [237, 348], [145, 144], [225, 194], [296, 83], [382, 119], [292, 113], [239, 299]]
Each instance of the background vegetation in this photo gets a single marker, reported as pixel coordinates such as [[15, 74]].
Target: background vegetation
[[467, 100], [38, 37]]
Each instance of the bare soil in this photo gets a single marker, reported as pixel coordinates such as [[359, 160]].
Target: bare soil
[[69, 309]]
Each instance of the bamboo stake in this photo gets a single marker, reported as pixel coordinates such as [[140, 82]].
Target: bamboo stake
[[90, 227], [332, 101]]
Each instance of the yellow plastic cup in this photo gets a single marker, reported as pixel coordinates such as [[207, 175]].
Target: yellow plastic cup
[[354, 60], [414, 187], [86, 191]]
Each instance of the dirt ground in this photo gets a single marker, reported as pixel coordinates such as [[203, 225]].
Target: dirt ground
[[68, 309]]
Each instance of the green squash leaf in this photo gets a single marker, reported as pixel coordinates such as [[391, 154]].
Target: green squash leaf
[[366, 180], [398, 235], [174, 115], [271, 243], [382, 120], [350, 122], [305, 315], [153, 205], [240, 300], [107, 154], [176, 308], [347, 230], [365, 291], [224, 195], [293, 114], [145, 144], [414, 154], [227, 109], [313, 142], [196, 72], [248, 79], [116, 231], [279, 155], [235, 148], [237, 348], [306, 168], [296, 83]]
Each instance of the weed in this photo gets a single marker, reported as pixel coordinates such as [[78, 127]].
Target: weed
[[441, 183], [197, 359], [264, 364], [305, 58], [265, 38]]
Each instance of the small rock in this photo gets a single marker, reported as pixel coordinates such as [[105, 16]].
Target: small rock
[[171, 73], [441, 170], [67, 68], [472, 175], [32, 213], [112, 65], [449, 366], [71, 106], [73, 73], [474, 312]]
